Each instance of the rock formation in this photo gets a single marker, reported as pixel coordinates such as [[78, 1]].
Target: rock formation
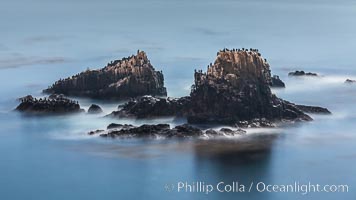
[[277, 82], [163, 130], [148, 106], [129, 77], [237, 88], [350, 81], [94, 109], [302, 73], [234, 90], [54, 104]]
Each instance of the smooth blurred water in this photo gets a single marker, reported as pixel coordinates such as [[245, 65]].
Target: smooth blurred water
[[54, 158]]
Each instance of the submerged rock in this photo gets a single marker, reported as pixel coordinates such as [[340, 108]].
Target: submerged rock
[[234, 90], [129, 77], [162, 130], [277, 82], [302, 73], [54, 104], [94, 109], [350, 81], [148, 130]]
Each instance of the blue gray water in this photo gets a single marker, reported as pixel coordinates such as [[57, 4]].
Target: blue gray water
[[53, 158]]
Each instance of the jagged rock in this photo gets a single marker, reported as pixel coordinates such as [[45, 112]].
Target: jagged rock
[[302, 73], [55, 104], [277, 82], [313, 109], [148, 106], [94, 109], [234, 90], [350, 81], [129, 77]]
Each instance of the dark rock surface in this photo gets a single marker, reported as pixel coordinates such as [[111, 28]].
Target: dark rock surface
[[94, 109], [147, 130], [302, 73], [277, 82], [237, 88], [234, 90], [313, 109], [122, 126], [162, 130], [129, 77], [54, 104], [350, 81], [148, 106]]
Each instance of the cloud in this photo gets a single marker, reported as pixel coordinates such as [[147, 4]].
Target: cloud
[[43, 39], [21, 61], [209, 32]]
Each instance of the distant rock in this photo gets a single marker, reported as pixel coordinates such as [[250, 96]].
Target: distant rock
[[350, 81], [129, 77], [302, 73], [54, 104], [94, 109], [95, 132], [276, 82]]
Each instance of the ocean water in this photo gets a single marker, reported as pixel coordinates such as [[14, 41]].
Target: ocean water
[[53, 158]]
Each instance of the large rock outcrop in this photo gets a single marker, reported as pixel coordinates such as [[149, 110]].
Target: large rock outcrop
[[54, 104], [237, 87], [129, 77], [234, 90]]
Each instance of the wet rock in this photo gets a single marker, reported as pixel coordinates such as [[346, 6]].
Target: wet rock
[[114, 125], [55, 104], [350, 81], [256, 123], [148, 106], [129, 77], [184, 130], [148, 130], [302, 73], [276, 82], [224, 132], [94, 109]]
